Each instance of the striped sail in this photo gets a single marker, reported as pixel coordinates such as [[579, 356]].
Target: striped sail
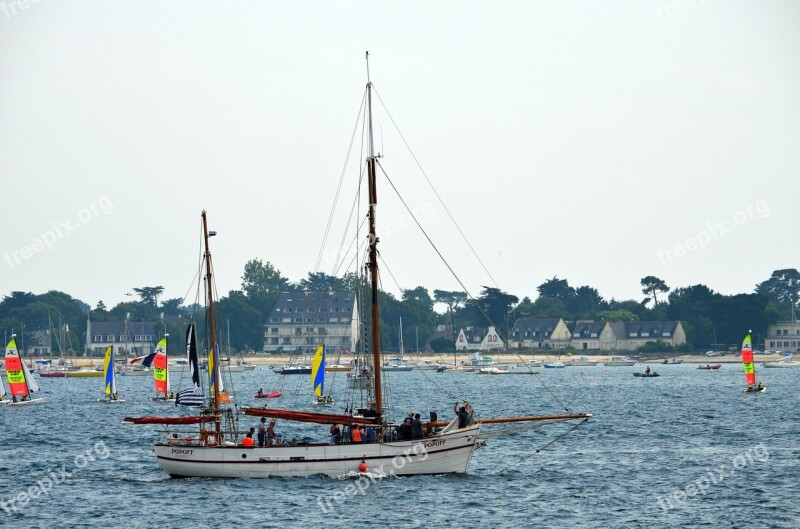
[[160, 376], [318, 371], [194, 395], [108, 372], [17, 386], [747, 361]]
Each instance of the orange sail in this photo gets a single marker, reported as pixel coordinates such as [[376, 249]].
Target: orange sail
[[747, 361], [160, 375], [17, 386]]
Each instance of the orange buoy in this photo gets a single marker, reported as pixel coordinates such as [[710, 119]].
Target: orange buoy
[[362, 467]]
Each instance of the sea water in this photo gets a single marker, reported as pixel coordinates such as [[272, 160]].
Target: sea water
[[686, 449]]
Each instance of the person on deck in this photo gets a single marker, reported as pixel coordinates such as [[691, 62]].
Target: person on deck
[[416, 427], [271, 433], [463, 416], [355, 434], [407, 428], [336, 434], [247, 442], [260, 392], [262, 432], [647, 370]]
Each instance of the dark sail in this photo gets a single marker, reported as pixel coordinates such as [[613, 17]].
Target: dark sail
[[194, 395]]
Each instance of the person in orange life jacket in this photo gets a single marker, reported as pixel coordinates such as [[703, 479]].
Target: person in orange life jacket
[[355, 434], [248, 439]]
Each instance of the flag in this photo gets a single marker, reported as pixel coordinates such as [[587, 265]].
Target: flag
[[146, 360], [190, 397]]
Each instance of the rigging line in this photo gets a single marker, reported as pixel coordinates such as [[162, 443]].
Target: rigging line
[[434, 189], [341, 180], [436, 249], [353, 214], [544, 446]]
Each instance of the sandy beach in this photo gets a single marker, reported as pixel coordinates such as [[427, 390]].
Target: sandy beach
[[503, 358]]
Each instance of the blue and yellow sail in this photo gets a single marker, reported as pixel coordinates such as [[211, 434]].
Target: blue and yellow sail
[[318, 371], [108, 371]]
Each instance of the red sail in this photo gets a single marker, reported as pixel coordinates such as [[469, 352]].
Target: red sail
[[17, 386], [303, 416], [194, 419], [747, 361]]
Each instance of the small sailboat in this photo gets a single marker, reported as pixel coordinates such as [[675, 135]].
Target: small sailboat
[[750, 367], [158, 362], [318, 377], [20, 381], [110, 378]]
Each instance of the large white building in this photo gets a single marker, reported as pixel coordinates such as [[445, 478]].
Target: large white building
[[302, 321], [783, 336]]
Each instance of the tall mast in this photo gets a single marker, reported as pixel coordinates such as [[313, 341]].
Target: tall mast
[[373, 258], [211, 321]]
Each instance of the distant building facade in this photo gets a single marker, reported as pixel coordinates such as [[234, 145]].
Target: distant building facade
[[543, 333], [133, 338], [783, 336], [625, 336], [302, 321], [479, 339]]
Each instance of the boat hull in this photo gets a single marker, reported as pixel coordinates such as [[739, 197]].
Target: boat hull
[[446, 453], [26, 402]]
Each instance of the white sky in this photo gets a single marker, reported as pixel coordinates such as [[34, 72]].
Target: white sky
[[583, 140]]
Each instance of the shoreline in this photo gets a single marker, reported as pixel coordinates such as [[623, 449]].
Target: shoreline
[[501, 358]]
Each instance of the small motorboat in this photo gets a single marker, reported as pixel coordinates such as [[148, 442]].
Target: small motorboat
[[647, 375], [674, 361], [710, 366], [270, 395]]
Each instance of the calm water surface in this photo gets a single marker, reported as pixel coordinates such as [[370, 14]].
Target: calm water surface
[[686, 449]]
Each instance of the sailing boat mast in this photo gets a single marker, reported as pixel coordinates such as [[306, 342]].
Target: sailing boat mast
[[373, 258], [211, 321]]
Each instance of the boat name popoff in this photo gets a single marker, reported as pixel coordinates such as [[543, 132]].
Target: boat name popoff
[[434, 443], [184, 451]]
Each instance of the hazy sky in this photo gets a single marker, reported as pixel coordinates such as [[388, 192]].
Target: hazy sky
[[594, 141]]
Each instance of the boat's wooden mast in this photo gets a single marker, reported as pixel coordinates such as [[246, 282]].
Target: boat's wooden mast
[[373, 260], [212, 324]]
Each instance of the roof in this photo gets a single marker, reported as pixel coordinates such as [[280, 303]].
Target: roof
[[649, 329], [311, 304], [588, 329], [113, 328], [536, 327]]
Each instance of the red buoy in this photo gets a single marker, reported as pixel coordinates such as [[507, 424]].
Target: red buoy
[[362, 467]]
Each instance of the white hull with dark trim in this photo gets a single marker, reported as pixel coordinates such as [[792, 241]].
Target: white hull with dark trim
[[447, 452]]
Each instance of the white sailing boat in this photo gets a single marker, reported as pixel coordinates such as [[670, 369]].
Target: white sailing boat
[[109, 378], [212, 451], [21, 383], [787, 362]]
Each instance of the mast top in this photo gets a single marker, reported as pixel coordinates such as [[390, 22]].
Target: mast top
[[367, 59]]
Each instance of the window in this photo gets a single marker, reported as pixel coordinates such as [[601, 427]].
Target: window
[[110, 338], [332, 320], [274, 330], [298, 320], [273, 341], [321, 320], [286, 340], [275, 320], [286, 320]]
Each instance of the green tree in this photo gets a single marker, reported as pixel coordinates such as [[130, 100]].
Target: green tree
[[320, 282], [453, 300], [556, 288], [149, 295], [651, 287], [617, 315]]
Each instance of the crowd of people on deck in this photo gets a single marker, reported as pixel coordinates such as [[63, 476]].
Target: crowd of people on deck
[[409, 430]]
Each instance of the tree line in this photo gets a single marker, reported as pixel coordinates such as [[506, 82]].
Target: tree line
[[711, 320]]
